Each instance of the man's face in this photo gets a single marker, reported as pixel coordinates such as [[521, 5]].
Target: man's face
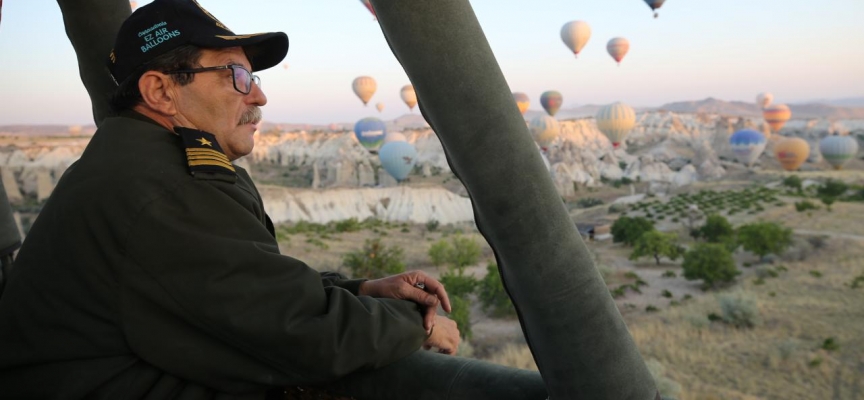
[[211, 104]]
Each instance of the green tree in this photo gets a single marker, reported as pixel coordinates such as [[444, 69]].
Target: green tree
[[710, 262], [461, 307], [717, 229], [832, 188], [763, 238], [461, 251], [492, 295], [627, 230], [828, 201], [375, 260], [657, 244], [793, 182]]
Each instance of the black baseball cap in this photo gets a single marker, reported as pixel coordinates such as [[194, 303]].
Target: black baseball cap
[[164, 25]]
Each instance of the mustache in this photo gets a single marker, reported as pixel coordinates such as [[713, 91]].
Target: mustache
[[252, 116]]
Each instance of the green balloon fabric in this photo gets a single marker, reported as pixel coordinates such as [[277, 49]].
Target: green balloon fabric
[[91, 26], [576, 334]]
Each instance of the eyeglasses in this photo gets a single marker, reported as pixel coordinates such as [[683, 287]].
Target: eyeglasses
[[242, 77]]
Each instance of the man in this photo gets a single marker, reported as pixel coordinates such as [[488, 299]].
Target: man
[[153, 272]]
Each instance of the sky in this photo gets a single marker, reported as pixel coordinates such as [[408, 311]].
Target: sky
[[799, 50]]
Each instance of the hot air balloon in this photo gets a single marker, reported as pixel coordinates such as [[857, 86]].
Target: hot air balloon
[[618, 48], [133, 4], [364, 87], [545, 130], [369, 7], [748, 145], [370, 132], [409, 96], [522, 101], [395, 137], [776, 116], [335, 127], [398, 159], [792, 152], [551, 102], [380, 107], [575, 34], [615, 121], [654, 4], [285, 66], [764, 99], [838, 150]]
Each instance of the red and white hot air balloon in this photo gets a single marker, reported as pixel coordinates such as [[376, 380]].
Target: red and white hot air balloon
[[618, 48]]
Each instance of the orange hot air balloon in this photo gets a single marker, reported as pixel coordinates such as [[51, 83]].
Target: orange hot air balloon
[[792, 152], [776, 116]]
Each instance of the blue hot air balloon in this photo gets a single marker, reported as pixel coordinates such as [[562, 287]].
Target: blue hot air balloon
[[370, 132], [398, 159], [748, 145], [654, 4]]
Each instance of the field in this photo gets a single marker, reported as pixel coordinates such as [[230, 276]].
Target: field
[[808, 338]]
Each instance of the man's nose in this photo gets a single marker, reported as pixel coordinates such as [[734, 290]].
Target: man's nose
[[256, 96]]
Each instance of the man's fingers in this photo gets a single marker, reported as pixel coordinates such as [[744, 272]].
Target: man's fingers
[[429, 319], [436, 288]]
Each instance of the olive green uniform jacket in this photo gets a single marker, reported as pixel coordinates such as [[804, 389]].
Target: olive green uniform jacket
[[151, 274]]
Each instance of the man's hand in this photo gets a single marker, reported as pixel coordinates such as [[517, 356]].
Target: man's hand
[[445, 336], [415, 286]]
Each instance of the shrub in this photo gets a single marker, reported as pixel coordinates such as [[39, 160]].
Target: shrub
[[461, 314], [739, 309], [832, 188], [348, 225], [657, 244], [651, 308], [827, 201], [589, 202], [830, 344], [669, 274], [712, 263], [815, 274], [804, 205], [457, 283], [492, 295], [667, 294], [375, 260], [461, 251], [763, 238], [857, 282], [432, 225], [628, 230], [667, 387], [617, 208]]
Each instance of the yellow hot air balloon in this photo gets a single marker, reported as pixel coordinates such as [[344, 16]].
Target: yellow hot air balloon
[[522, 101], [792, 152], [380, 107], [615, 121], [364, 87], [409, 96], [776, 116]]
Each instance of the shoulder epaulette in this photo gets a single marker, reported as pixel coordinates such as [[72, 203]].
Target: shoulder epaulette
[[204, 154]]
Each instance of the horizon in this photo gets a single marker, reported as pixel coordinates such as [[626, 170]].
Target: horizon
[[794, 49]]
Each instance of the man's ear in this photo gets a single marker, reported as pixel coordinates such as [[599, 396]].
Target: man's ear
[[157, 92]]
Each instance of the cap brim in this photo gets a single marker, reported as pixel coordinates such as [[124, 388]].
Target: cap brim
[[264, 50]]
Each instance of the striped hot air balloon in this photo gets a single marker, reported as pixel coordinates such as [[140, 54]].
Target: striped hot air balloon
[[838, 150], [575, 35], [551, 102], [364, 87], [369, 7], [747, 145], [398, 159], [544, 130], [522, 101], [792, 152], [776, 116], [615, 121], [655, 4], [408, 96], [370, 132], [618, 48]]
